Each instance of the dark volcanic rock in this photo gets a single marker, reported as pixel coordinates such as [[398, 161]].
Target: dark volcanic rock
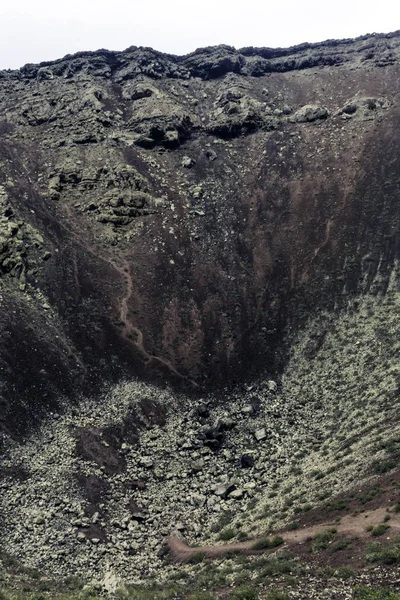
[[246, 461], [93, 446], [115, 258], [136, 511], [94, 487], [209, 63]]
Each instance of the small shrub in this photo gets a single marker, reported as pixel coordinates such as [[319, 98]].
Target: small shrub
[[233, 553], [197, 558], [245, 592], [296, 471], [380, 529], [139, 593], [322, 540], [392, 447], [178, 576], [72, 583], [201, 596], [340, 545], [315, 473], [370, 494], [267, 543], [280, 566], [324, 495], [227, 534], [384, 466], [387, 517], [266, 510], [87, 593], [338, 504], [344, 572], [224, 520], [276, 595], [388, 555], [44, 586], [363, 592]]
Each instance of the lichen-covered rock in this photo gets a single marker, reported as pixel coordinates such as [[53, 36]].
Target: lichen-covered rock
[[21, 246], [238, 114], [167, 131], [364, 107], [309, 113], [138, 91], [210, 63], [120, 207], [114, 194]]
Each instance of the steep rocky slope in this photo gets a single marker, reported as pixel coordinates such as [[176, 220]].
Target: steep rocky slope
[[179, 218]]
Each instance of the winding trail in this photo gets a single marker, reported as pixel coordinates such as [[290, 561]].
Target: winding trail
[[129, 329], [181, 552]]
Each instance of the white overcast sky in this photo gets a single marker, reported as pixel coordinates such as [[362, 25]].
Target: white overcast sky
[[37, 30]]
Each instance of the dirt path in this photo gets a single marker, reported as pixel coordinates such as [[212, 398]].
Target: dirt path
[[349, 525], [129, 330]]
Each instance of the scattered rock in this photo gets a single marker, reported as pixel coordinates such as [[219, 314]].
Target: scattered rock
[[188, 162], [309, 113], [136, 512], [223, 490], [137, 484], [202, 410], [211, 436], [197, 465], [240, 115], [363, 107], [236, 494], [260, 434], [168, 131], [246, 461], [224, 423]]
